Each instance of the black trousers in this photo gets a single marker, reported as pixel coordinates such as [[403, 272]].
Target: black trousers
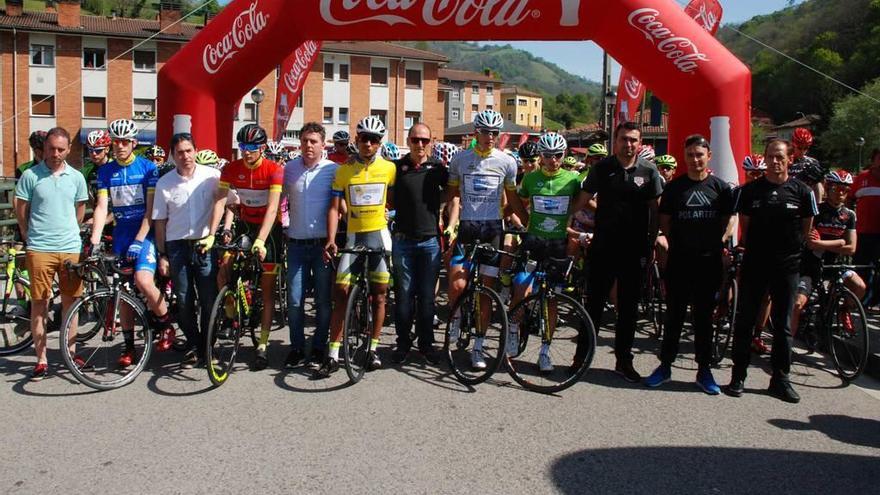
[[691, 279], [757, 279]]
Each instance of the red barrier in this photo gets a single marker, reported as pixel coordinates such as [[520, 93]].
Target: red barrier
[[687, 68]]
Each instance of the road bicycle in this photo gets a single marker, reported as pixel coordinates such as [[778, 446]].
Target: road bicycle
[[724, 316], [652, 303]]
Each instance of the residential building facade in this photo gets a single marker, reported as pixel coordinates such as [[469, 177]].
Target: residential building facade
[[523, 107], [466, 94]]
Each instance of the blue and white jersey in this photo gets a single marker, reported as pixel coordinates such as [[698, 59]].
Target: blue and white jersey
[[126, 186]]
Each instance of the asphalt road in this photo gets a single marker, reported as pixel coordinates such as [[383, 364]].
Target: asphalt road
[[414, 429]]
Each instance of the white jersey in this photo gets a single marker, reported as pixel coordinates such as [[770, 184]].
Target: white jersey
[[481, 181]]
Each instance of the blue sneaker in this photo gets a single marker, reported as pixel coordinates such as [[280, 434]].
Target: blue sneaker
[[660, 376], [706, 382]]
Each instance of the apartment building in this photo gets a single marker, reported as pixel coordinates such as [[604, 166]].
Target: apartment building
[[523, 107], [466, 94]]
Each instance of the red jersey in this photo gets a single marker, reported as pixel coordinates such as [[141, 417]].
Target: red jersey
[[336, 157], [253, 186], [866, 192]]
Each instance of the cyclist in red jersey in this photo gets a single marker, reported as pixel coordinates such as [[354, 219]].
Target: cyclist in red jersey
[[257, 181], [865, 193], [340, 153]]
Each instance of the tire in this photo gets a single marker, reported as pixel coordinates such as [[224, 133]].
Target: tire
[[95, 281], [573, 325], [848, 341], [459, 353], [220, 353], [15, 320], [357, 332], [724, 325], [102, 351]]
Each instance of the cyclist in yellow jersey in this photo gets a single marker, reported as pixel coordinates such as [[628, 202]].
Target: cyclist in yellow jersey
[[364, 183]]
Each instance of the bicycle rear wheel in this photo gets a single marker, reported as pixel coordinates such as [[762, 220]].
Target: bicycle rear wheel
[[481, 336], [223, 338], [112, 357], [571, 323], [357, 332], [848, 335], [15, 319], [724, 323]]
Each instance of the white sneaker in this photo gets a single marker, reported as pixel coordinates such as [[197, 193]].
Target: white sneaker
[[477, 361], [513, 340], [454, 330], [544, 362], [436, 321]]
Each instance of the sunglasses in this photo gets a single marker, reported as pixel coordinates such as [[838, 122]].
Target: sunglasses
[[420, 140], [552, 155], [97, 150], [370, 139], [489, 132], [248, 147]]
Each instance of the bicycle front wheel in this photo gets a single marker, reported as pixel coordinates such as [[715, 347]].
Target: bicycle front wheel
[[357, 332], [724, 321], [848, 335], [548, 339], [15, 319], [223, 338], [116, 355], [475, 335]]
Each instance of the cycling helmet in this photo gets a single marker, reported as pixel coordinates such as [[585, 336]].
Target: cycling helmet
[[666, 161], [390, 151], [515, 156], [443, 152], [646, 151], [341, 137], [351, 149], [597, 149], [754, 162], [99, 138], [371, 125], [154, 151], [488, 119], [275, 151], [528, 150], [810, 171], [569, 162], [207, 157], [802, 138], [552, 143], [123, 129], [251, 134], [841, 177]]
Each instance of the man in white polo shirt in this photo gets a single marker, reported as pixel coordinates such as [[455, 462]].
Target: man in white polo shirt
[[184, 222]]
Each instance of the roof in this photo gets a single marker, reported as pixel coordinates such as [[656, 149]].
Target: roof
[[95, 25], [382, 49], [805, 121], [509, 127], [465, 75], [519, 91]]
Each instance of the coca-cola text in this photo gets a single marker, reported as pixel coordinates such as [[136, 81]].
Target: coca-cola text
[[247, 25], [682, 51], [433, 12], [303, 57]]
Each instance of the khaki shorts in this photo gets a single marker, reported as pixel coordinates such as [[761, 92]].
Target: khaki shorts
[[42, 268]]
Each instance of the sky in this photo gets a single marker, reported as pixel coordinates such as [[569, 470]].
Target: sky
[[585, 58]]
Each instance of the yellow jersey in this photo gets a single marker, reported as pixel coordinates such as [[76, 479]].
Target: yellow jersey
[[365, 190]]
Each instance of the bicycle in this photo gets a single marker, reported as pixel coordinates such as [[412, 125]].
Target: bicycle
[[237, 308], [724, 317], [653, 300], [834, 320], [554, 323]]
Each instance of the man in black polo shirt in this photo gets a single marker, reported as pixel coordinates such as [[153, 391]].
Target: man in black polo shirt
[[627, 188], [695, 210], [776, 216], [418, 193]]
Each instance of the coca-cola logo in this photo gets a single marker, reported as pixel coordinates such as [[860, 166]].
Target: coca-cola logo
[[244, 28], [682, 51], [633, 87], [438, 12], [706, 18], [302, 61]]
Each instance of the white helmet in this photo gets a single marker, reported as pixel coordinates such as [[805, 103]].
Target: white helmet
[[275, 148], [552, 143], [390, 151], [488, 119], [123, 129], [371, 125]]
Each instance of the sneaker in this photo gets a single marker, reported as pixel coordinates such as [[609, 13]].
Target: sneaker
[[512, 348], [314, 361], [782, 389], [261, 360], [477, 361], [545, 364], [41, 370], [659, 376], [626, 370], [735, 388], [431, 355], [759, 347], [373, 361], [327, 368], [167, 341], [454, 330], [706, 382], [190, 359], [126, 358], [399, 355], [294, 359]]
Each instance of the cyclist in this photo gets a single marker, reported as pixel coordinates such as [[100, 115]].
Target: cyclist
[[551, 192], [569, 163], [443, 152], [257, 182], [866, 195], [480, 179], [807, 168], [276, 152], [128, 184], [365, 182], [666, 165], [390, 152], [98, 145], [36, 141], [208, 158], [528, 155], [754, 166], [834, 234], [341, 152]]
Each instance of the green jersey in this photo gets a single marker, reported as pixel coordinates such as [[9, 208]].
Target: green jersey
[[550, 199]]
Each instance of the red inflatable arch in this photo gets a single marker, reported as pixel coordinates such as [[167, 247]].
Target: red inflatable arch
[[704, 85]]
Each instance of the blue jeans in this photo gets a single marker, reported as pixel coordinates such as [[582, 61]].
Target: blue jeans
[[307, 269], [416, 269], [187, 274]]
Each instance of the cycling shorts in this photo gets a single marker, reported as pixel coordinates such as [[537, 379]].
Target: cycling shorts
[[146, 260], [476, 232], [539, 250], [272, 261], [378, 270]]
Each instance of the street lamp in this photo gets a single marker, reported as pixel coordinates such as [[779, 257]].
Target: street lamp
[[860, 142], [610, 100], [257, 95]]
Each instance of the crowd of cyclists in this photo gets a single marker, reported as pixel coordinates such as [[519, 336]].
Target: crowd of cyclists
[[304, 213]]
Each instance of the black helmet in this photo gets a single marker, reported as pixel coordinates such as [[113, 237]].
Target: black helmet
[[811, 171], [528, 150], [37, 139], [251, 134]]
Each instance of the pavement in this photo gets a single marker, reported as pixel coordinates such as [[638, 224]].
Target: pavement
[[415, 429]]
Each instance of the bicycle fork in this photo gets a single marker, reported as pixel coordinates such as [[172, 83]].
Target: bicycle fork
[[110, 317]]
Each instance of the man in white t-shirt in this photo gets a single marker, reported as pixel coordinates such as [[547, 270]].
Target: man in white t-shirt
[[184, 222]]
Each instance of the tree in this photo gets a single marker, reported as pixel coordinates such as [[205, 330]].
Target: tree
[[854, 116]]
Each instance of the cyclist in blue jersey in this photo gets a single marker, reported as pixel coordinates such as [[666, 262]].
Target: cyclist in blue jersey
[[127, 183]]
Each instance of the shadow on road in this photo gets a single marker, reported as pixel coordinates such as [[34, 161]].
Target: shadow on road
[[679, 470], [847, 429]]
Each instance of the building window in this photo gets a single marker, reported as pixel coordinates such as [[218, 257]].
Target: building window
[[455, 114], [475, 108], [94, 107], [382, 114], [328, 72], [343, 72], [413, 79], [379, 76], [490, 88], [43, 55], [473, 115], [328, 115], [299, 101], [536, 120], [250, 112], [94, 58], [522, 117], [510, 102], [490, 107], [522, 102], [536, 103], [43, 105], [509, 116], [475, 89], [144, 109], [290, 135], [144, 60], [410, 119], [343, 115]]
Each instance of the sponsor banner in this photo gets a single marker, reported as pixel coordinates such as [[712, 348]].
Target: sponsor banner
[[294, 71]]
